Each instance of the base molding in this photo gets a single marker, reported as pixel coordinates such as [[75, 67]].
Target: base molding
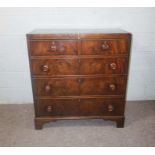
[[40, 121]]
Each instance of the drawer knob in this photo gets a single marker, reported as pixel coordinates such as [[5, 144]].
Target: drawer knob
[[45, 68], [105, 46], [47, 88], [53, 47], [113, 66], [112, 86], [49, 108], [79, 80], [110, 108]]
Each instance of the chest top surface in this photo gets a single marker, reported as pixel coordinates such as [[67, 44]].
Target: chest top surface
[[77, 33]]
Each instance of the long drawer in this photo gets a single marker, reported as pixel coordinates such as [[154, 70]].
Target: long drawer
[[80, 107], [80, 86], [79, 66]]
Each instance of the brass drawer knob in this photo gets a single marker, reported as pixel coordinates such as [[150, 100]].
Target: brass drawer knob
[[113, 66], [53, 47], [49, 108], [110, 108], [112, 86], [47, 88], [45, 68]]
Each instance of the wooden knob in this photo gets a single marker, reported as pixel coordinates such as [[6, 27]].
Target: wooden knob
[[110, 108], [49, 108], [113, 66], [79, 80], [112, 86], [105, 46], [45, 68], [47, 88]]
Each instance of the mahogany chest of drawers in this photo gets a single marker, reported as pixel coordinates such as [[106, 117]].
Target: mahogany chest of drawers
[[79, 74]]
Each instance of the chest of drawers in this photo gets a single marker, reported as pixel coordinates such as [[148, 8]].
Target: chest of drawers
[[79, 74]]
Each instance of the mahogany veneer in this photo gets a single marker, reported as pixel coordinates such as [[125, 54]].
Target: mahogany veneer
[[79, 74]]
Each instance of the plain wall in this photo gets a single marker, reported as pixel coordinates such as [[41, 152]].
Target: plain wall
[[15, 85]]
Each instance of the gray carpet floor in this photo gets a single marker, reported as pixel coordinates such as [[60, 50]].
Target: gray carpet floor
[[17, 128]]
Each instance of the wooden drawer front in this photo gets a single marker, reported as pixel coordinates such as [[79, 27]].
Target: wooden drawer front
[[80, 107], [56, 87], [52, 67], [83, 66], [104, 47], [49, 48], [92, 66], [103, 86], [80, 86]]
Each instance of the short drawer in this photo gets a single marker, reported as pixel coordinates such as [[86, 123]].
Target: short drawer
[[53, 47], [80, 86], [104, 47], [80, 107]]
